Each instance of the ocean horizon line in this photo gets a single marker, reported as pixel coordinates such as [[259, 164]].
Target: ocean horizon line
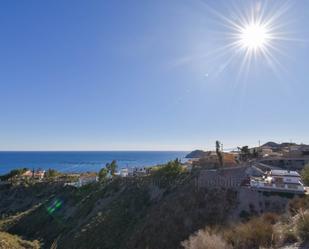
[[49, 151], [80, 161]]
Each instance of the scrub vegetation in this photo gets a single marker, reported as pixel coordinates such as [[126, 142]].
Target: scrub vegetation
[[165, 209]]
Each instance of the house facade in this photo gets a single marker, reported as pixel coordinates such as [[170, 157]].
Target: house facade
[[279, 181], [288, 163], [38, 174]]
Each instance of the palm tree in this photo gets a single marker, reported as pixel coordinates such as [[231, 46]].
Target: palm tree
[[219, 154]]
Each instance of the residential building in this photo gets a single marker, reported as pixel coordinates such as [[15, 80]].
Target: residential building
[[212, 160], [83, 180], [122, 173], [297, 151], [87, 179], [288, 163], [279, 181], [38, 174]]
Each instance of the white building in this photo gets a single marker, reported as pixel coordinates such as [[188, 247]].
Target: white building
[[124, 172], [280, 181], [83, 180], [87, 179], [140, 171]]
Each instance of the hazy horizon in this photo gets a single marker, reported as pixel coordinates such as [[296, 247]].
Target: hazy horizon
[[187, 149]]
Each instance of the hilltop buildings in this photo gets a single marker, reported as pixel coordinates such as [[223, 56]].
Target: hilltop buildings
[[279, 181], [84, 179], [38, 174], [210, 160], [286, 156]]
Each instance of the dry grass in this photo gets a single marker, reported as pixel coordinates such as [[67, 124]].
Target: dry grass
[[303, 227], [256, 233], [288, 236], [205, 239], [8, 241], [269, 231], [298, 205]]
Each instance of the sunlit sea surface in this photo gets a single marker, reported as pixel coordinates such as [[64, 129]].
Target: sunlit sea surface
[[84, 161]]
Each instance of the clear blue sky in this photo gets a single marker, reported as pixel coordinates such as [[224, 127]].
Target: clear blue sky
[[141, 74]]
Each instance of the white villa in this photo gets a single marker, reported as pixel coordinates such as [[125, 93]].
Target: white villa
[[83, 180], [279, 181], [123, 172]]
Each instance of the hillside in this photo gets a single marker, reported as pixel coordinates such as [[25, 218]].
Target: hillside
[[275, 146], [150, 212], [157, 211], [271, 144], [197, 154]]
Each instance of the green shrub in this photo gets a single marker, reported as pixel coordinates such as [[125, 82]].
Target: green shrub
[[50, 173], [13, 173], [103, 174], [172, 168], [168, 173]]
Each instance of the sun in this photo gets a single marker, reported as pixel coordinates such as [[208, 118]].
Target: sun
[[249, 35], [254, 36]]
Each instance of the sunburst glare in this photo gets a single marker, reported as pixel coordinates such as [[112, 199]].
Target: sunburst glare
[[254, 36], [254, 31]]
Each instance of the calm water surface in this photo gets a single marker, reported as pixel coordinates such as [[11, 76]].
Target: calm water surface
[[84, 161]]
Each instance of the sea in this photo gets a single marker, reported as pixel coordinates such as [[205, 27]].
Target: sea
[[84, 161]]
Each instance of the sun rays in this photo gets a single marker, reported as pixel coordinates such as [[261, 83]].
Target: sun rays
[[255, 32], [243, 38]]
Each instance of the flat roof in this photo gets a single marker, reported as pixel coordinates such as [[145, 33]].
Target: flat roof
[[278, 172]]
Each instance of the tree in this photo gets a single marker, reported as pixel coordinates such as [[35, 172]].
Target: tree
[[50, 173], [170, 170], [255, 153], [177, 162], [102, 174], [245, 153], [219, 154], [13, 173], [305, 175], [112, 167]]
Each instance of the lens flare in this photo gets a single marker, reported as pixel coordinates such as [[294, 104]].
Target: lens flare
[[55, 205], [246, 36], [253, 33], [254, 36]]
